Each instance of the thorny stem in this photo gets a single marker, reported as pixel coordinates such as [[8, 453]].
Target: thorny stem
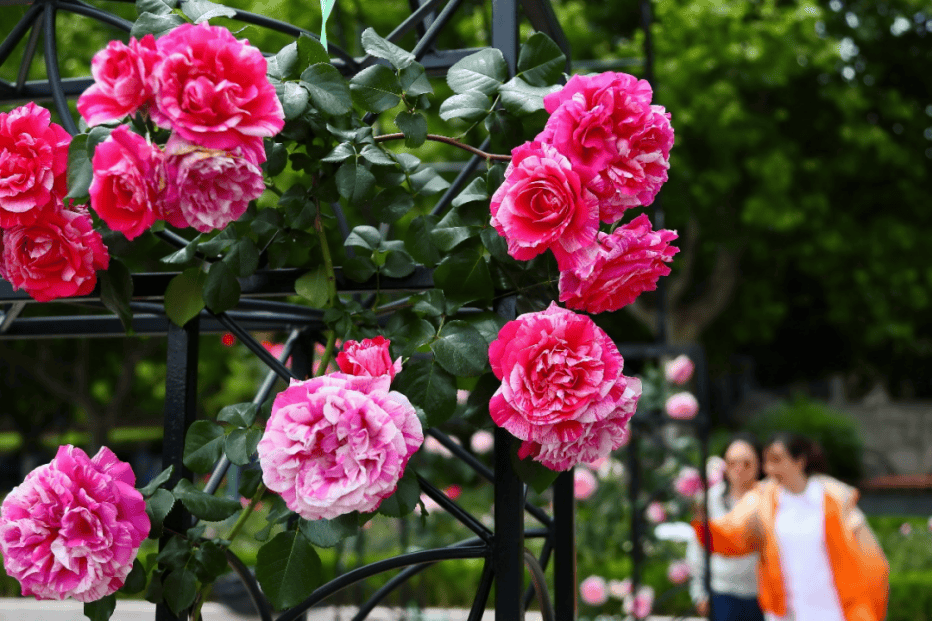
[[451, 141]]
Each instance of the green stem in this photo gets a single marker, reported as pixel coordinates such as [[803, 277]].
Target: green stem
[[331, 289], [450, 141]]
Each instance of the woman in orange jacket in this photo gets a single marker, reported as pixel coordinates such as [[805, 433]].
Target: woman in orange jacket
[[819, 560]]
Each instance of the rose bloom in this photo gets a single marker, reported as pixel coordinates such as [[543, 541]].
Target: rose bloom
[[368, 358], [678, 572], [584, 483], [679, 370], [619, 589], [212, 89], [640, 604], [73, 527], [338, 443], [715, 470], [122, 80], [613, 137], [482, 442], [594, 591], [33, 163], [906, 529], [208, 188], [277, 349], [56, 257], [129, 176], [688, 482], [433, 446], [682, 406], [542, 204], [615, 270], [655, 512]]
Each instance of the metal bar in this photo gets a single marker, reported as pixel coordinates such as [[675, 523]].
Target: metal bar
[[28, 54], [508, 546], [545, 553], [505, 31], [109, 326], [41, 90], [79, 8], [19, 31], [464, 517], [427, 41], [51, 68], [541, 15], [256, 347], [180, 413], [482, 593], [564, 544], [252, 587], [460, 180], [10, 314]]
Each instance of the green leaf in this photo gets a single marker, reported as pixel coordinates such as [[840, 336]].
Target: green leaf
[[243, 258], [417, 240], [464, 275], [311, 51], [409, 332], [505, 130], [488, 324], [155, 590], [156, 7], [80, 170], [430, 387], [532, 472], [469, 106], [288, 569], [157, 507], [341, 152], [461, 349], [448, 238], [218, 243], [184, 255], [365, 237], [354, 181], [156, 25], [180, 587], [202, 505], [267, 222], [135, 580], [101, 609], [405, 498], [221, 291], [391, 204], [116, 291], [377, 155], [383, 48], [202, 445], [414, 126], [376, 89], [327, 89], [202, 10], [541, 62], [359, 269], [294, 98], [154, 484], [249, 482], [477, 404], [521, 99], [328, 533], [474, 192], [176, 553], [239, 414], [209, 561], [430, 303], [284, 65], [495, 244], [315, 287], [95, 136], [414, 82], [277, 158], [184, 296], [398, 264], [241, 445], [427, 182], [483, 71]]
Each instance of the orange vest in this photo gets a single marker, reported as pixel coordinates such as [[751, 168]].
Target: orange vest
[[859, 568]]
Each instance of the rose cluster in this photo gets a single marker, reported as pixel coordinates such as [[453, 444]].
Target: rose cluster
[[212, 92], [48, 247], [604, 149]]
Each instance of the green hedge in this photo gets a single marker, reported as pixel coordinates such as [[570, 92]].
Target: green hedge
[[910, 596]]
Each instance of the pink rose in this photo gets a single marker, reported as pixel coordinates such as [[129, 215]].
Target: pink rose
[[208, 188], [679, 370], [613, 137], [277, 349], [122, 80], [542, 204], [715, 470], [640, 605], [615, 270], [56, 257], [433, 446], [212, 89], [655, 512], [929, 526], [688, 482], [73, 527], [594, 591], [584, 483], [129, 176], [33, 162], [482, 442], [678, 572], [682, 406], [619, 589], [368, 358], [906, 529], [338, 443]]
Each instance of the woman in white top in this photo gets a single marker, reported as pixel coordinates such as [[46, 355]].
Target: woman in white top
[[733, 579]]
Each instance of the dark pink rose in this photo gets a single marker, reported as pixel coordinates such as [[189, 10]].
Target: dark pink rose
[[679, 370], [122, 80], [594, 590], [129, 177], [563, 391], [542, 204], [212, 89], [55, 257], [207, 188], [73, 527], [368, 358], [33, 163], [611, 273], [615, 139]]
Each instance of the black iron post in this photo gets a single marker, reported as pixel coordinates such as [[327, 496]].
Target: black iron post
[[508, 546], [564, 548]]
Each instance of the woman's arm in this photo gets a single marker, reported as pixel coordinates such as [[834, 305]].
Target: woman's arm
[[737, 532]]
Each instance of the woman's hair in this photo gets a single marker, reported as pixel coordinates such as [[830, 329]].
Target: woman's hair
[[798, 445], [751, 440]]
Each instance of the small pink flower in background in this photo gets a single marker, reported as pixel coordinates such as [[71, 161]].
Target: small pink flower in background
[[595, 464], [617, 268], [368, 358], [212, 89], [563, 391], [679, 370], [930, 525], [462, 396], [688, 482], [122, 80], [338, 443], [906, 529], [610, 469], [655, 512], [682, 406], [73, 527], [715, 470], [129, 176], [542, 204], [453, 491], [594, 591], [433, 446], [584, 483], [55, 257], [430, 505], [640, 604], [33, 164], [619, 589], [276, 350], [678, 572], [482, 442]]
